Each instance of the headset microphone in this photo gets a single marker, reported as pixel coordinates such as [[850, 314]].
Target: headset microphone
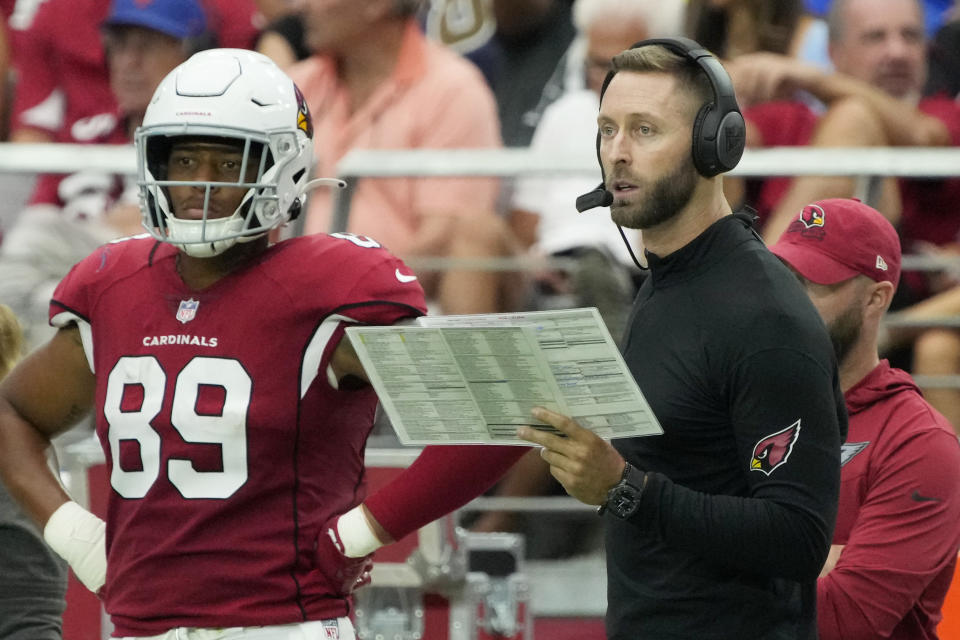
[[599, 197]]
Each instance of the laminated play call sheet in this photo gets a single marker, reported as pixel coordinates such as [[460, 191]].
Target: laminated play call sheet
[[474, 379]]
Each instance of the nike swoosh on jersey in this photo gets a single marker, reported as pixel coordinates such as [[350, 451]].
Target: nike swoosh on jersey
[[849, 449], [916, 497], [402, 277]]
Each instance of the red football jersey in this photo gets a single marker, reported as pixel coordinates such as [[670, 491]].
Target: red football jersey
[[228, 445]]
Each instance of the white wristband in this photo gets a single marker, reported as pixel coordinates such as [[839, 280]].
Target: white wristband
[[79, 537], [356, 534]]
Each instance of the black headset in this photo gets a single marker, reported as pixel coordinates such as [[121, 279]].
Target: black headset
[[719, 132]]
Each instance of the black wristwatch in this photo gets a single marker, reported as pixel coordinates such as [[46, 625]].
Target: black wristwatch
[[623, 499]]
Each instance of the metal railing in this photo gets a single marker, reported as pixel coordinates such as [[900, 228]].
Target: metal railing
[[869, 165]]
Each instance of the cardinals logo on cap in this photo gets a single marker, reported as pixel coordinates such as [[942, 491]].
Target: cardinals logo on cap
[[773, 450], [812, 216]]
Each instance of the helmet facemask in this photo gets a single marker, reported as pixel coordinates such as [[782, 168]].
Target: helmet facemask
[[258, 212]]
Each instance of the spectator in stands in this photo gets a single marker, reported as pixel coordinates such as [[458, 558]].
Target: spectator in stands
[[730, 28], [873, 98], [70, 215], [898, 526], [33, 582], [376, 82], [936, 12], [63, 87], [528, 52], [62, 82]]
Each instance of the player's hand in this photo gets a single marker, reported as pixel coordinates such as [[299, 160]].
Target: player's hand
[[344, 574], [585, 464]]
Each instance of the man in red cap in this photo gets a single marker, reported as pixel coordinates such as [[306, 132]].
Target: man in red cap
[[898, 527]]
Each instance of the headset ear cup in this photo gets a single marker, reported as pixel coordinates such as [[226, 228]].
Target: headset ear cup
[[704, 152], [731, 139]]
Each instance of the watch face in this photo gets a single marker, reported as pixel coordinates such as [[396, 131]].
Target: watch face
[[624, 501]]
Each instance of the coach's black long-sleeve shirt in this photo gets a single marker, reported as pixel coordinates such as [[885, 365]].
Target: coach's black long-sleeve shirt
[[736, 518]]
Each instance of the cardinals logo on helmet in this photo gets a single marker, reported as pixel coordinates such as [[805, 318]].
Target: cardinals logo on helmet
[[773, 450], [304, 122]]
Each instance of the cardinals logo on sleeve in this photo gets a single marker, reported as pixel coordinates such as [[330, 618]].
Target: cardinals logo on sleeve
[[773, 450]]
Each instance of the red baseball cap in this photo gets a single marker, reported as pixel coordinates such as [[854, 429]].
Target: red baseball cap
[[836, 239]]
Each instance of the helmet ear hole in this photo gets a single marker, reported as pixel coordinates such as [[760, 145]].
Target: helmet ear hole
[[295, 208]]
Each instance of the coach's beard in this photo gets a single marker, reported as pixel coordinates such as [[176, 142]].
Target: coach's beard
[[667, 197]]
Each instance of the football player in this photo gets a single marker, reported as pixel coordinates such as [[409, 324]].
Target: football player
[[232, 412]]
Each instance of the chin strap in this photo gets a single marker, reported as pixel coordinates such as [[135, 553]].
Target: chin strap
[[324, 182]]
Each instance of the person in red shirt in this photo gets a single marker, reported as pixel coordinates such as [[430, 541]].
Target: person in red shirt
[[142, 42], [873, 98], [898, 526]]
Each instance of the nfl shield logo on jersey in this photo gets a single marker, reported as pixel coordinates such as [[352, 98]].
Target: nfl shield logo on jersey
[[187, 310]]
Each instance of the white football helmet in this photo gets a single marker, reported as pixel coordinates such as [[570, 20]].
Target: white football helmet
[[244, 97]]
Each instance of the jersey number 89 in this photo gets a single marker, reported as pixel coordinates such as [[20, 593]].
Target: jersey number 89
[[228, 429]]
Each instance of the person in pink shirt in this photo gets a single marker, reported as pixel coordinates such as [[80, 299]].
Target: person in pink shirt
[[375, 82], [898, 526]]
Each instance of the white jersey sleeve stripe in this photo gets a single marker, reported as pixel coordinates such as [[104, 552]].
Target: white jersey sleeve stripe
[[64, 318], [314, 352]]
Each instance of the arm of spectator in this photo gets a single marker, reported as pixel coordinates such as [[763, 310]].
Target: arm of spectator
[[943, 305], [762, 77], [905, 535]]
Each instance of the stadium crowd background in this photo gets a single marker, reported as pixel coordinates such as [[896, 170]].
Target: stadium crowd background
[[518, 64]]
